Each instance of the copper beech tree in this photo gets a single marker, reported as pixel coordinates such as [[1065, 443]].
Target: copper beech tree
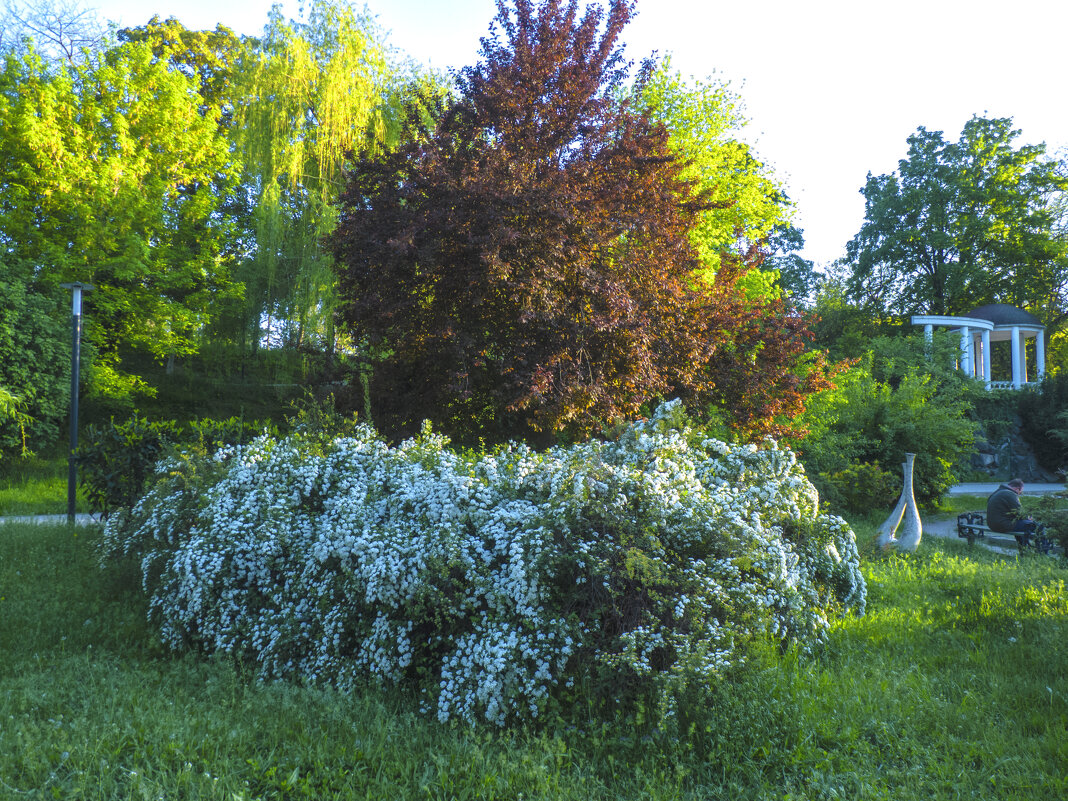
[[523, 265]]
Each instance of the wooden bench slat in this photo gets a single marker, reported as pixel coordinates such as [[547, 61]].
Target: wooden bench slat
[[972, 526]]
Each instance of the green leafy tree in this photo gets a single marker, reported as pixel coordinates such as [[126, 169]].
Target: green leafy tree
[[34, 366], [795, 275], [210, 59], [100, 166], [844, 328], [1057, 336], [961, 224], [215, 61], [310, 94], [743, 202], [293, 103]]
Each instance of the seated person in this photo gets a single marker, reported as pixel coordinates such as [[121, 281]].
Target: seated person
[[1003, 511]]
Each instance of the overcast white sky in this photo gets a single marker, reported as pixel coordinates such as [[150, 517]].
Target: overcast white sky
[[832, 88]]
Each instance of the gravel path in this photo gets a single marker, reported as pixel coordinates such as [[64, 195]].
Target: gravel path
[[985, 489], [79, 520]]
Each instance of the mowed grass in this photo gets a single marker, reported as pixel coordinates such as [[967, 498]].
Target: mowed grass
[[952, 505], [36, 486], [951, 687]]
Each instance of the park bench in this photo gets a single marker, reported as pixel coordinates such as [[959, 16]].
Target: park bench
[[972, 526]]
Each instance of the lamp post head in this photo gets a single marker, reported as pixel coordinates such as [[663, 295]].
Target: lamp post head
[[77, 287]]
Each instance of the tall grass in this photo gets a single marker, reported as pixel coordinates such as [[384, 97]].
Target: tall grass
[[953, 686]]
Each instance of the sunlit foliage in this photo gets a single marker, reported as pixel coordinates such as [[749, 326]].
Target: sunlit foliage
[[310, 94], [962, 224], [99, 170]]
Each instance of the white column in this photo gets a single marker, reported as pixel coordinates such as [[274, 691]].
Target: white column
[[986, 357], [1016, 371], [1040, 354], [928, 332], [966, 350], [1023, 358]]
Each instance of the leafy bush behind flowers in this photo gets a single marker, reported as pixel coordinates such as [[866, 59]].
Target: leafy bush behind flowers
[[643, 566]]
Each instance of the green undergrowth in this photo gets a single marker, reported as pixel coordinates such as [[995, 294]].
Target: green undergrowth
[[952, 686]]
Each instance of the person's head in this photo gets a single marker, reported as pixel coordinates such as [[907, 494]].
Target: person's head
[[1016, 486]]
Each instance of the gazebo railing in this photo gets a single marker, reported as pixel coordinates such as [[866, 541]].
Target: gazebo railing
[[1009, 385]]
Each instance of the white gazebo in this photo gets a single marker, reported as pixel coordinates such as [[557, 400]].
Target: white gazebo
[[992, 323]]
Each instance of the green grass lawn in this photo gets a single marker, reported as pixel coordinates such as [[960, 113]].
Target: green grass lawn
[[952, 687], [35, 486]]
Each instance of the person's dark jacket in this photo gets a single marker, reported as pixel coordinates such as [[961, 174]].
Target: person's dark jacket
[[1002, 509]]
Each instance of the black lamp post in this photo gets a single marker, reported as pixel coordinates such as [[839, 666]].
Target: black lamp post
[[75, 361]]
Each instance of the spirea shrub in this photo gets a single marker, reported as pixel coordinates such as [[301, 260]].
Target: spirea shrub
[[494, 582]]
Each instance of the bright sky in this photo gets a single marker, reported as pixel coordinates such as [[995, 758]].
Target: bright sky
[[832, 88]]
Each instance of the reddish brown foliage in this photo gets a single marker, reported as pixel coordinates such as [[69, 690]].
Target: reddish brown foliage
[[758, 369], [526, 265]]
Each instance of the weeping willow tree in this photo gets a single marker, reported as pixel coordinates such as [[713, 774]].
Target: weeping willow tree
[[313, 93]]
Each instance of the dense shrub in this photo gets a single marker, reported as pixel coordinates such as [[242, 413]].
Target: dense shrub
[[996, 412], [115, 460], [1045, 426], [903, 397], [639, 567], [860, 488]]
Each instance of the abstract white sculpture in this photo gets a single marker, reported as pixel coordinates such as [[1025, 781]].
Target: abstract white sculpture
[[906, 510], [889, 526]]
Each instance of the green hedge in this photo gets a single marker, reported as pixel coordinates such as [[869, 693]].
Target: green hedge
[[115, 460]]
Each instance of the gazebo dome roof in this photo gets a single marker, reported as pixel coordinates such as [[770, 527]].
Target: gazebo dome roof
[[1004, 314]]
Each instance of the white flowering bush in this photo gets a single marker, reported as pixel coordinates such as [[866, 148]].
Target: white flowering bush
[[492, 582]]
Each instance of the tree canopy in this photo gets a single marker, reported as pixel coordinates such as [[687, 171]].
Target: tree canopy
[[505, 258], [310, 94], [550, 246], [211, 59], [189, 175], [962, 224], [99, 169], [795, 275], [528, 264], [745, 203]]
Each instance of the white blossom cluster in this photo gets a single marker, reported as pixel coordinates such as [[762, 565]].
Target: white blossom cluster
[[490, 581]]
